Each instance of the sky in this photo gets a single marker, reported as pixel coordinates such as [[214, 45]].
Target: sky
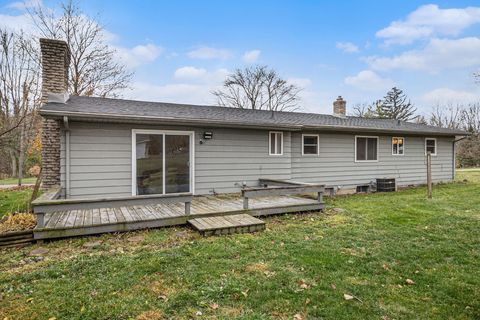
[[180, 51]]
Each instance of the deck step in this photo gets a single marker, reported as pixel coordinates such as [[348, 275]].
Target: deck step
[[218, 225]]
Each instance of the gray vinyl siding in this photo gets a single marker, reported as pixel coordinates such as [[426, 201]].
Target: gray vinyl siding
[[335, 165], [101, 153], [100, 159]]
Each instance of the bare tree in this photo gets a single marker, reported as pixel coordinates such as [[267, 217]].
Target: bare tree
[[19, 98], [466, 118], [93, 69], [365, 110], [421, 120], [258, 88], [449, 116], [471, 118], [360, 110]]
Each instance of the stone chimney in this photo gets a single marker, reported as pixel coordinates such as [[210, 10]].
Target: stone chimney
[[55, 61], [340, 107]]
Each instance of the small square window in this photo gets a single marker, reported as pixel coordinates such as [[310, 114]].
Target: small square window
[[276, 143], [398, 146], [431, 146], [310, 144]]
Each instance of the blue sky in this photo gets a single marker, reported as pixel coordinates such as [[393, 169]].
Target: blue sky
[[182, 50]]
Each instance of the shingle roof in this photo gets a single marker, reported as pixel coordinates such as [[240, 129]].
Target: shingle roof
[[119, 109]]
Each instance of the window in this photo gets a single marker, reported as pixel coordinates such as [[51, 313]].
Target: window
[[276, 143], [366, 149], [431, 146], [398, 146], [310, 144]]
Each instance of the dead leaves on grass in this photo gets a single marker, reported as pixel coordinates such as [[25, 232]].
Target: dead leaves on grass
[[161, 290], [18, 222], [349, 297], [303, 284], [150, 315], [261, 268]]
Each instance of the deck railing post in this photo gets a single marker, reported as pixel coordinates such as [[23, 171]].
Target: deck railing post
[[188, 205], [320, 197], [40, 219], [245, 203]]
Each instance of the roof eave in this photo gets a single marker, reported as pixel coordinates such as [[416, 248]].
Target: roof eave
[[84, 116]]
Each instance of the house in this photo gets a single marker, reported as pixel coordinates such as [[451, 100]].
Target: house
[[99, 147], [115, 165]]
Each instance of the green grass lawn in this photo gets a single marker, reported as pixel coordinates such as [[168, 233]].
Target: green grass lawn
[[14, 200], [15, 181], [301, 265], [472, 175]]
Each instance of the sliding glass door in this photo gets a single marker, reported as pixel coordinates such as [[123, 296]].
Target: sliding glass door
[[162, 162]]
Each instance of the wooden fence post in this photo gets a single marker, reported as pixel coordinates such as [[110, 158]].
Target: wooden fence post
[[429, 175]]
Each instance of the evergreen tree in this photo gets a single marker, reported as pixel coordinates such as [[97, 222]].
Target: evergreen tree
[[396, 105]]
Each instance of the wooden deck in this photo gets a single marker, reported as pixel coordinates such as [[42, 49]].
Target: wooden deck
[[89, 221], [237, 223]]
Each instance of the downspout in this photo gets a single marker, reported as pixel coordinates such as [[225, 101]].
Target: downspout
[[67, 156]]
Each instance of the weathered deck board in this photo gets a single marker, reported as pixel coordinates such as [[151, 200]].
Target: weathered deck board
[[238, 223], [94, 221]]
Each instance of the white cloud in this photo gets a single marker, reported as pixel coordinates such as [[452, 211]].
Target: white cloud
[[23, 5], [428, 21], [347, 47], [138, 55], [209, 53], [439, 54], [369, 81], [189, 73], [446, 95], [251, 56], [173, 92], [194, 86], [17, 23]]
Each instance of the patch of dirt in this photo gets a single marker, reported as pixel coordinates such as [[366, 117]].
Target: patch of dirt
[[150, 315], [231, 312], [260, 267], [336, 220], [38, 252], [357, 252]]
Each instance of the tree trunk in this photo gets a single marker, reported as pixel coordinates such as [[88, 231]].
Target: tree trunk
[[21, 155], [14, 163]]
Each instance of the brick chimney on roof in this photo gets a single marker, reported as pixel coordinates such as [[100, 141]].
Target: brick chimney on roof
[[55, 62], [340, 107]]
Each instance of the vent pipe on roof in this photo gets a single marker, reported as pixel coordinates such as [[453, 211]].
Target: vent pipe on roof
[[340, 107]]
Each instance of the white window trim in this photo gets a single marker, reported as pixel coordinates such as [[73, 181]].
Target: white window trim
[[434, 139], [318, 144], [270, 143], [191, 134], [378, 148], [398, 154]]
